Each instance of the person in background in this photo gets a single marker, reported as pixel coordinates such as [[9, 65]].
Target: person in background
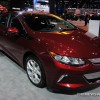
[[86, 19]]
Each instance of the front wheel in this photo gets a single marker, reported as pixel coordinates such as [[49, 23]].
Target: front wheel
[[35, 71]]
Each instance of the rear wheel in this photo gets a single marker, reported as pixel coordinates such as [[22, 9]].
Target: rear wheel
[[35, 71]]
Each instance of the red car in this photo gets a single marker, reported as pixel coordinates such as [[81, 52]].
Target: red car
[[53, 52], [3, 9]]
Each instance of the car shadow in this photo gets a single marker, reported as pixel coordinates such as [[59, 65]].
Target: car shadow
[[73, 92]]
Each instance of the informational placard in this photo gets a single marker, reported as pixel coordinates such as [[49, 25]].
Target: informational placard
[[41, 5], [42, 0], [94, 27]]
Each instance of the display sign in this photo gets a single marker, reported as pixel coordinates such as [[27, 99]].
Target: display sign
[[41, 5], [43, 1], [94, 27]]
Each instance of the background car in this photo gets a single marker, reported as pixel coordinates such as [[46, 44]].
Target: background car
[[3, 9], [53, 52]]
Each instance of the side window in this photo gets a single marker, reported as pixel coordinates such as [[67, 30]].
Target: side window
[[35, 22], [4, 20], [16, 23]]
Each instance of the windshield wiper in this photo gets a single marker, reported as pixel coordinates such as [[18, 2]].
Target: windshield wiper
[[67, 29], [64, 30]]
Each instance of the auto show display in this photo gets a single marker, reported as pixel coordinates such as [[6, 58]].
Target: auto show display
[[54, 52]]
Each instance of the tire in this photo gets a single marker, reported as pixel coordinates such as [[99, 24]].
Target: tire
[[35, 71]]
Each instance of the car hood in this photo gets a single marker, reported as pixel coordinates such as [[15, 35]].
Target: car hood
[[75, 43]]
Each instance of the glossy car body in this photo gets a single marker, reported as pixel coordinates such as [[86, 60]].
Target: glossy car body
[[45, 45]]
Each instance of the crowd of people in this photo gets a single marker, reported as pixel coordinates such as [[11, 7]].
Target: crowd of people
[[84, 17], [68, 16], [81, 17]]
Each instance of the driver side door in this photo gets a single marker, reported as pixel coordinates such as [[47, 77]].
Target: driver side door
[[16, 42]]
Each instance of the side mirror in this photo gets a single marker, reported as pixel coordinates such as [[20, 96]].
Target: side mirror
[[12, 30]]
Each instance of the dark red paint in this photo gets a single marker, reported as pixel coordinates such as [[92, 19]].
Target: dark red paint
[[75, 43]]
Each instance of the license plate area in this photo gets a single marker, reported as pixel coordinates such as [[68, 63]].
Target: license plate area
[[93, 77]]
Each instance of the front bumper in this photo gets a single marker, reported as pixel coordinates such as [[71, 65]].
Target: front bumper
[[75, 83], [69, 78]]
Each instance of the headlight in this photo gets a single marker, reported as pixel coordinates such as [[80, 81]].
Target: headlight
[[67, 60]]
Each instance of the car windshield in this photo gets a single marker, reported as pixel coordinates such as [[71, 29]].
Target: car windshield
[[47, 23]]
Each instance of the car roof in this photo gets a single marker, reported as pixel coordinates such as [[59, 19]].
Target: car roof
[[21, 13], [27, 12]]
